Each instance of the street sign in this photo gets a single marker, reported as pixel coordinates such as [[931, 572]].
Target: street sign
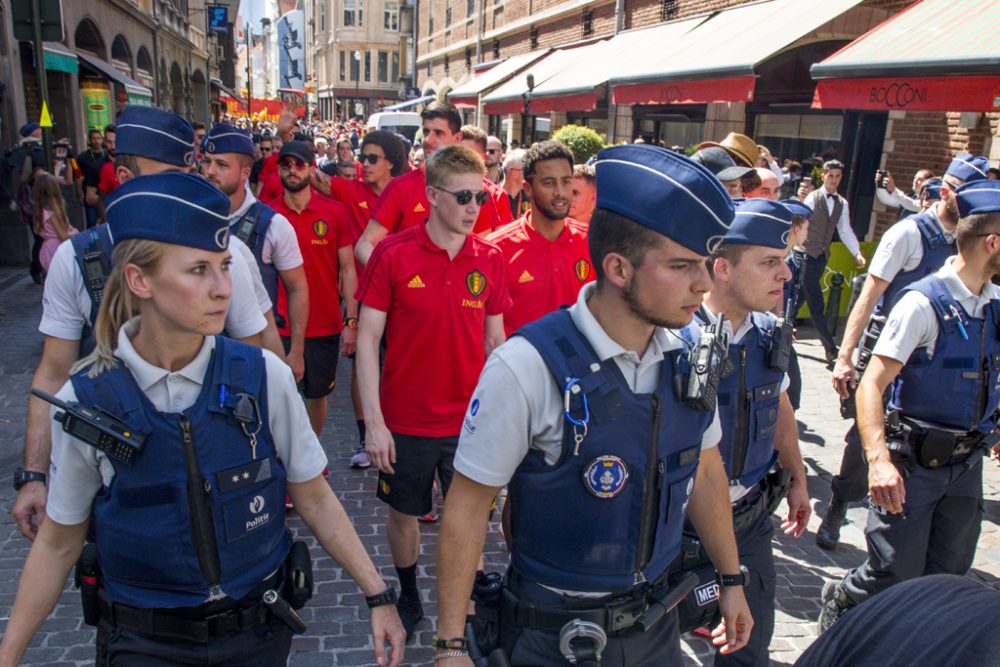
[[50, 15], [46, 119], [218, 18]]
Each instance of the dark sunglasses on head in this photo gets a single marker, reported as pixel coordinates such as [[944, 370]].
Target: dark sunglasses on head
[[463, 197], [291, 162], [370, 158]]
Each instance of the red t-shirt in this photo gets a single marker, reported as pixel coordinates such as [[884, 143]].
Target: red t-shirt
[[321, 229], [403, 204], [435, 328], [272, 188], [542, 274], [500, 210], [107, 182], [360, 200]]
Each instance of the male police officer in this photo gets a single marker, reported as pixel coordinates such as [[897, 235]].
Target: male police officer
[[909, 250], [583, 415], [925, 454], [161, 141], [227, 157], [757, 417]]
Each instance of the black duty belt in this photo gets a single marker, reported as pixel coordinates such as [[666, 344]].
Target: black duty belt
[[748, 508], [936, 447], [188, 626], [614, 615]]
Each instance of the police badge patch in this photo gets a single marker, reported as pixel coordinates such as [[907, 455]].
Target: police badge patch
[[606, 476]]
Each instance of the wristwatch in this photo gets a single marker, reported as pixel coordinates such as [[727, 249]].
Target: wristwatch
[[351, 322], [456, 644], [22, 477], [386, 597], [741, 579]]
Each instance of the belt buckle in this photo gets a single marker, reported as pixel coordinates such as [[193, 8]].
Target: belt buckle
[[623, 616]]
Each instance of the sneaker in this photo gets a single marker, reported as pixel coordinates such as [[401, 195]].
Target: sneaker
[[828, 534], [360, 458], [834, 603], [410, 612], [288, 502], [430, 517]]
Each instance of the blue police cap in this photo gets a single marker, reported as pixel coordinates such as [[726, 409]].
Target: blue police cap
[[761, 222], [28, 128], [982, 196], [968, 167], [931, 189], [157, 135], [171, 207], [225, 138], [666, 192], [798, 208]]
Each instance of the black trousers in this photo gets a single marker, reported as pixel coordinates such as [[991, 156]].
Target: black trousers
[[812, 288], [851, 484]]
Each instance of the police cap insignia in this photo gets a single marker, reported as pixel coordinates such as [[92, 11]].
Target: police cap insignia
[[606, 476]]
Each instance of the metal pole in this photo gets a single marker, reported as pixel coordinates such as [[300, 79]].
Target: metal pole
[[43, 84], [249, 71]]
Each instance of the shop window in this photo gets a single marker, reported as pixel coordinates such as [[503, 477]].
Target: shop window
[[800, 137]]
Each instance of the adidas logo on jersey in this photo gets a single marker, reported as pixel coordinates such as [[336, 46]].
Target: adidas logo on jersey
[[525, 277], [416, 283], [419, 208]]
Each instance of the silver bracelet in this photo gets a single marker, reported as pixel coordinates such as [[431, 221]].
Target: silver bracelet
[[450, 654]]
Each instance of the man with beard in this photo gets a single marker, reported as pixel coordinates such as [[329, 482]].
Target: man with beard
[[493, 160], [758, 423], [925, 454], [547, 256], [404, 203], [106, 180], [321, 225], [226, 160], [604, 466], [908, 251], [91, 161]]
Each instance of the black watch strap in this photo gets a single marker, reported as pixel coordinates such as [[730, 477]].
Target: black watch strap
[[386, 597], [22, 477], [741, 579], [456, 644]]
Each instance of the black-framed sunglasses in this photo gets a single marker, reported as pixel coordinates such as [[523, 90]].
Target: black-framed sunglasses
[[370, 158], [291, 163], [463, 197]]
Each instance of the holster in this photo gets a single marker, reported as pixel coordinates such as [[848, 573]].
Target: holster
[[484, 629], [297, 588], [87, 577]]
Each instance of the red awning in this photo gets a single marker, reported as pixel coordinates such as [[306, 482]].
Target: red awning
[[581, 102], [700, 91], [913, 93]]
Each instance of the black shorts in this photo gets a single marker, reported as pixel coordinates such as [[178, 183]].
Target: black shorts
[[417, 459], [321, 355]]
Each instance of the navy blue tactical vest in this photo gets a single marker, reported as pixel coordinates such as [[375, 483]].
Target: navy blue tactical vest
[[793, 288], [936, 250], [609, 514], [957, 389], [748, 405], [154, 552], [92, 249], [260, 214]]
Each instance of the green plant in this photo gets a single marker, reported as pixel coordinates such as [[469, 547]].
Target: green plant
[[583, 141]]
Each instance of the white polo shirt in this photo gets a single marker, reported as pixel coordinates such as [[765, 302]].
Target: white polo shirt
[[78, 470], [901, 247], [520, 408]]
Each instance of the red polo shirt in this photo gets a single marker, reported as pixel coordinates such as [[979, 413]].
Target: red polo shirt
[[360, 200], [322, 229], [500, 210], [107, 182], [436, 326], [403, 204], [542, 274]]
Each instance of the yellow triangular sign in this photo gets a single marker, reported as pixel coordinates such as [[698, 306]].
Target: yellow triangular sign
[[46, 119]]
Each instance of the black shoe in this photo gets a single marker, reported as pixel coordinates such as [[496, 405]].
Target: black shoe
[[828, 534], [834, 603], [37, 276], [410, 612]]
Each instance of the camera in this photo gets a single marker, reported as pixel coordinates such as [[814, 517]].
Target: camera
[[882, 178]]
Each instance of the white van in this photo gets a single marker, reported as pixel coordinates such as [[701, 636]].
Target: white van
[[405, 123]]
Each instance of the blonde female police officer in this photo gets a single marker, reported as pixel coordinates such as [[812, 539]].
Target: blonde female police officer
[[191, 534]]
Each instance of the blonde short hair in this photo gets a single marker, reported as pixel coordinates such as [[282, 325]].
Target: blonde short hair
[[451, 160]]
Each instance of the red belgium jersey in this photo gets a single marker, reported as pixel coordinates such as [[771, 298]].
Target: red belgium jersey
[[542, 274], [321, 229], [435, 327], [403, 204]]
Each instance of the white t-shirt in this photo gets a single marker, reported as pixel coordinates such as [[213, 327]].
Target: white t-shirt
[[66, 303], [737, 491], [281, 245], [913, 323], [78, 470], [898, 199], [519, 407], [901, 247]]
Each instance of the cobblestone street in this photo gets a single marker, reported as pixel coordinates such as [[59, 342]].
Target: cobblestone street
[[338, 625]]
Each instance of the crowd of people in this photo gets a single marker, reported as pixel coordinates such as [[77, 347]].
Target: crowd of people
[[605, 347]]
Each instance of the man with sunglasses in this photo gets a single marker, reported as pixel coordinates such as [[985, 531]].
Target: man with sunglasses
[[925, 454], [404, 203], [909, 250], [475, 138], [548, 260], [321, 225], [493, 160], [437, 292]]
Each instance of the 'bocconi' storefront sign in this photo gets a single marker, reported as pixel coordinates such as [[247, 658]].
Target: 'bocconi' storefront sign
[[956, 93]]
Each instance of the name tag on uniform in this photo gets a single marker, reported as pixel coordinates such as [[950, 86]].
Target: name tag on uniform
[[766, 392], [248, 475]]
